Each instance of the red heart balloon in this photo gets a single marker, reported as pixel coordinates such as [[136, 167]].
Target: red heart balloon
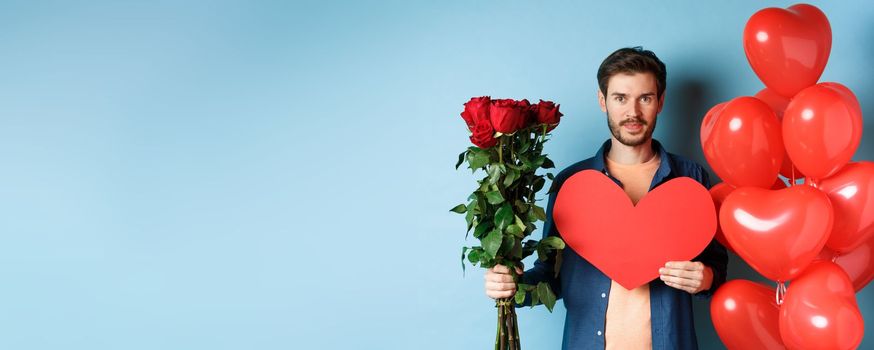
[[857, 263], [788, 49], [851, 192], [822, 128], [628, 243], [778, 233], [742, 142], [718, 193], [709, 121], [778, 105], [746, 316], [819, 310]]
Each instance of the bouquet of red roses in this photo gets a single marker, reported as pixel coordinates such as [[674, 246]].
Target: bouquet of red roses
[[508, 136]]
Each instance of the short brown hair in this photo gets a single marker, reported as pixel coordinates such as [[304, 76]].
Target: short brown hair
[[632, 60]]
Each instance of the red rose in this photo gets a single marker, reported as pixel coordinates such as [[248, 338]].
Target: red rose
[[483, 134], [527, 112], [547, 113], [475, 110], [508, 115]]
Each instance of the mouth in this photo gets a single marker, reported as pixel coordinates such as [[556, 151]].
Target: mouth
[[632, 126]]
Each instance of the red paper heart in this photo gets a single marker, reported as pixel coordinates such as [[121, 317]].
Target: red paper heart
[[788, 49], [628, 243]]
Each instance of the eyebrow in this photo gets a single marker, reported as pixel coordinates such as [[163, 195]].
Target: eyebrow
[[625, 95]]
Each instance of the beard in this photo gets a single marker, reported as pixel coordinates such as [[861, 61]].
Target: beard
[[616, 130]]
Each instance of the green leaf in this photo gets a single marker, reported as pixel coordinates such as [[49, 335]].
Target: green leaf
[[495, 171], [472, 206], [515, 167], [521, 207], [507, 243], [528, 248], [517, 249], [463, 251], [526, 163], [512, 175], [537, 162], [482, 202], [538, 184], [460, 159], [481, 229], [484, 186], [520, 296], [514, 231], [469, 217], [494, 197], [539, 213], [519, 223], [546, 295], [504, 216], [552, 242], [475, 255], [547, 163], [542, 253], [492, 242], [461, 209], [478, 159], [526, 143], [535, 297], [550, 176]]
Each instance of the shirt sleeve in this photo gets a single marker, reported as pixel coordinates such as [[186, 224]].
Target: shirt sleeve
[[714, 256]]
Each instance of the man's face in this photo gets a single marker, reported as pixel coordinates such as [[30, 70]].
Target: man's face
[[631, 105]]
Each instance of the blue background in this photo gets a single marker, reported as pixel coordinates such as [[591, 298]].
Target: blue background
[[277, 175]]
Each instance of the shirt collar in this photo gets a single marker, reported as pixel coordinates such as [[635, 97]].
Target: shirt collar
[[664, 171]]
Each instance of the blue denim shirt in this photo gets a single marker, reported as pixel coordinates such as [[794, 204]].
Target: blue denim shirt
[[585, 289]]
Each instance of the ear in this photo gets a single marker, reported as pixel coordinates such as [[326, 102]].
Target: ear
[[602, 101], [662, 101]]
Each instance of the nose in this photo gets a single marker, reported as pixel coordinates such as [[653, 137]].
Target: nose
[[633, 110]]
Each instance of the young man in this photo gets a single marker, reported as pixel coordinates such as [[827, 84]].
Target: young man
[[601, 313]]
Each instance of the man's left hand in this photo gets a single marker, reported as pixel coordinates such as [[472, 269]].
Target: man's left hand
[[689, 276]]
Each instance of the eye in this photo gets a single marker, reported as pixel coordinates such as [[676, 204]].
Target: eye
[[646, 99], [619, 98]]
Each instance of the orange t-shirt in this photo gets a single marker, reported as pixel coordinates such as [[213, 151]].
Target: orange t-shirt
[[628, 324]]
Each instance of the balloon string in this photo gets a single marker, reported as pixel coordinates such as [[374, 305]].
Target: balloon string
[[793, 177], [781, 291]]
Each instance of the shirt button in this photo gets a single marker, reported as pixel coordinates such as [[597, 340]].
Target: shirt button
[[599, 332], [603, 295]]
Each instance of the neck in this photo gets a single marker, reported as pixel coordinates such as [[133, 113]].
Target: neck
[[630, 155]]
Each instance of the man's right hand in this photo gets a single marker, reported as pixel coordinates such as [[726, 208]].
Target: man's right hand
[[499, 282]]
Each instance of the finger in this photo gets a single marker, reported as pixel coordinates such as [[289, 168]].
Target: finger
[[681, 281], [677, 286], [500, 269], [500, 286], [497, 277], [695, 275], [685, 265], [499, 295]]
